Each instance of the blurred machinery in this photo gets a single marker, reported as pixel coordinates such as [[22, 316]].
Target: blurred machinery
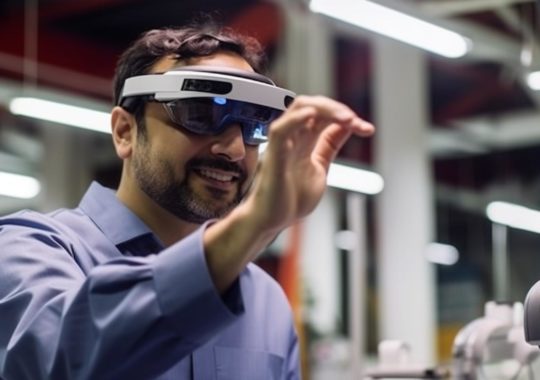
[[532, 315], [492, 347], [395, 363]]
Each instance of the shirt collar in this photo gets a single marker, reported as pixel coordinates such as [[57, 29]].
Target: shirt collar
[[117, 222]]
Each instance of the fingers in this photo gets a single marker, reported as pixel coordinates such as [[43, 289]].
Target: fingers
[[315, 113], [304, 123], [361, 127], [326, 107], [330, 143], [315, 127]]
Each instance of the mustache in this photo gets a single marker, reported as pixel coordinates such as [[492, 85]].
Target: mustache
[[217, 163]]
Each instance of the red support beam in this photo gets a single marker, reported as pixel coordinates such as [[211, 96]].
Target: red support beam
[[264, 21]]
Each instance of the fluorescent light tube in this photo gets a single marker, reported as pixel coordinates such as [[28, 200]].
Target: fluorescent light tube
[[18, 186], [354, 179], [514, 216], [442, 254], [61, 113], [396, 25], [349, 178], [533, 80]]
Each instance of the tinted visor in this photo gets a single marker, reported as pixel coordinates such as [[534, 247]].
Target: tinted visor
[[210, 116]]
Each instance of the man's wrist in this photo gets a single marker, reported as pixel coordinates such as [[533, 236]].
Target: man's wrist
[[234, 241]]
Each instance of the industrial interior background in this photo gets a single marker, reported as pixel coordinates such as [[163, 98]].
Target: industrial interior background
[[482, 120]]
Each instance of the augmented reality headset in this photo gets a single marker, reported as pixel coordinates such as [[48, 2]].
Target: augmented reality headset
[[205, 100]]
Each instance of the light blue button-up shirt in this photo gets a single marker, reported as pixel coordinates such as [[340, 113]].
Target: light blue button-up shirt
[[91, 293]]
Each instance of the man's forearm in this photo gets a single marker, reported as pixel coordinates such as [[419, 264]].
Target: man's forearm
[[231, 243]]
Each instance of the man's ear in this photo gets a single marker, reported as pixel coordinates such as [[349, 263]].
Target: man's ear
[[124, 130]]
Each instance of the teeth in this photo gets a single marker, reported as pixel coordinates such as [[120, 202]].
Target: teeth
[[217, 176]]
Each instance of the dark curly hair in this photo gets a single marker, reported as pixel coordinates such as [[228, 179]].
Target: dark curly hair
[[183, 43]]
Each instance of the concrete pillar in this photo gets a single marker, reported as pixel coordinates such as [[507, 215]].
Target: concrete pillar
[[404, 210], [320, 265], [66, 166], [357, 263], [306, 67], [306, 64]]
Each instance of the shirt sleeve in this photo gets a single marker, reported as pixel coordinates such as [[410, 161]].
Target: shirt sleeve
[[292, 361], [128, 318]]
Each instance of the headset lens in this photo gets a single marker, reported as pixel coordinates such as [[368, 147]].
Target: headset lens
[[210, 116]]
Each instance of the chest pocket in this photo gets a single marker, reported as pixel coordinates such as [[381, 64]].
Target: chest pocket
[[242, 364]]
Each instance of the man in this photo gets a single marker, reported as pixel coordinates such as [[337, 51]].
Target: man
[[155, 281]]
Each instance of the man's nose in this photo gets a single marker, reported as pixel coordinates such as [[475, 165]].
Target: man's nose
[[230, 143]]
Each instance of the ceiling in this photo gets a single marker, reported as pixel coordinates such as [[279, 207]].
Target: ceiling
[[485, 126]]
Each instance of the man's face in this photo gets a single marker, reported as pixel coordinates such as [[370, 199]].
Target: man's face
[[194, 177]]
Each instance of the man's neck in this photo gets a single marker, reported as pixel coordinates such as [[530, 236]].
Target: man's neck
[[167, 227]]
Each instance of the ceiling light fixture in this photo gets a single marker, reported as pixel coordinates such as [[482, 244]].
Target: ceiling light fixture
[[61, 113], [354, 179], [514, 216], [18, 186], [396, 25], [442, 254], [533, 80]]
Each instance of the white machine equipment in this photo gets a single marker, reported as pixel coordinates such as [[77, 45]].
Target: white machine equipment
[[492, 347]]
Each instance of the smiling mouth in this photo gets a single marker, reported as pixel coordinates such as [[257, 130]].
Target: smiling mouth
[[218, 176]]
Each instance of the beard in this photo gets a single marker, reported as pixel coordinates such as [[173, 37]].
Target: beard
[[157, 179]]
